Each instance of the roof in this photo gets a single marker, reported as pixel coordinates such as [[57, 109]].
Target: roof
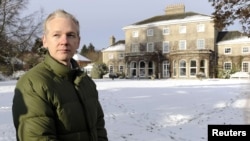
[[168, 17], [118, 46], [79, 57], [238, 40], [228, 35], [172, 19]]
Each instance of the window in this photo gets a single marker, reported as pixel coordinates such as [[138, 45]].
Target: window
[[182, 68], [165, 47], [135, 34], [227, 66], [245, 66], [182, 44], [200, 28], [166, 69], [150, 68], [121, 55], [200, 44], [133, 67], [121, 68], [150, 32], [111, 56], [203, 66], [166, 31], [111, 69], [135, 48], [150, 47], [182, 29], [245, 50], [193, 68], [142, 67], [228, 50]]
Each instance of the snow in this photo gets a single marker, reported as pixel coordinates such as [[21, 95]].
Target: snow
[[119, 47], [79, 57], [243, 39], [156, 110], [188, 19], [240, 75]]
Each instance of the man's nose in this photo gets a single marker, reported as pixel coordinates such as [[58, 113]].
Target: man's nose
[[64, 39]]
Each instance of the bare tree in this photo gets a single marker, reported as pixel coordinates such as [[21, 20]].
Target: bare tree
[[227, 12], [18, 33]]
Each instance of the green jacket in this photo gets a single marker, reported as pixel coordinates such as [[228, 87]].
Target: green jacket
[[55, 103]]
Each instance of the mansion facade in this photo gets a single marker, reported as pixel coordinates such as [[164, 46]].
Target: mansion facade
[[177, 44]]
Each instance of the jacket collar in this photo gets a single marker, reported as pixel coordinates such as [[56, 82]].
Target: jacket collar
[[60, 69]]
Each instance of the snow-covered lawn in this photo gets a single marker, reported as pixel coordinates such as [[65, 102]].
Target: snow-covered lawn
[[155, 110]]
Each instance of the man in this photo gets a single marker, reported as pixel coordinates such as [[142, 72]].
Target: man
[[55, 100]]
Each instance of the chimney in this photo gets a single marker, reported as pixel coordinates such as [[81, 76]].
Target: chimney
[[175, 9], [112, 40]]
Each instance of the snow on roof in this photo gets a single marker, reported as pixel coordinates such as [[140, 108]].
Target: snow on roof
[[188, 19], [118, 47], [79, 57], [240, 40]]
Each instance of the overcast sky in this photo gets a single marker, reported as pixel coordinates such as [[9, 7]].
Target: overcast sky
[[100, 19]]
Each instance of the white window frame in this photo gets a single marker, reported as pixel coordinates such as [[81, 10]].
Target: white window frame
[[193, 68], [111, 56], [245, 50], [166, 69], [245, 66], [182, 29], [121, 68], [135, 33], [135, 48], [150, 32], [111, 68], [227, 50], [200, 27], [182, 45], [166, 31], [165, 47], [182, 69], [200, 44], [226, 66], [121, 55], [150, 47]]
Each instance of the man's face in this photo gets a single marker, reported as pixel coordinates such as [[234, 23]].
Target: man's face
[[61, 39]]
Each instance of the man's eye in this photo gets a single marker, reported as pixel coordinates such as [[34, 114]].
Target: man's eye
[[56, 35], [72, 35]]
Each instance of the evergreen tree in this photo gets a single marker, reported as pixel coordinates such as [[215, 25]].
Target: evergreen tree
[[91, 48], [84, 50]]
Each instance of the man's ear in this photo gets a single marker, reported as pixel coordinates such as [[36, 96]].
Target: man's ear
[[44, 41], [79, 41]]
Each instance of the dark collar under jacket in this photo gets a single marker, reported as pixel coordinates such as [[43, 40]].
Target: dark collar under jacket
[[63, 71]]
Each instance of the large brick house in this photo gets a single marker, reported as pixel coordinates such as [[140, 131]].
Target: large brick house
[[178, 44]]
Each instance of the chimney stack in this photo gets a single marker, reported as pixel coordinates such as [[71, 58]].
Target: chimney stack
[[175, 9], [112, 40]]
